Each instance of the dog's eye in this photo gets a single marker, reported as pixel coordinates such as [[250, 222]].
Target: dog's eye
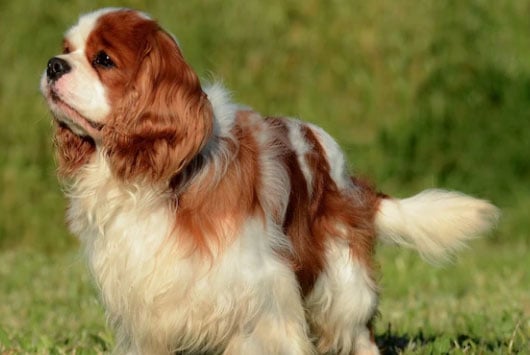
[[103, 60], [66, 47]]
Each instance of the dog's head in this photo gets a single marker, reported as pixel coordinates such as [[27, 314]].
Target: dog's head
[[121, 85]]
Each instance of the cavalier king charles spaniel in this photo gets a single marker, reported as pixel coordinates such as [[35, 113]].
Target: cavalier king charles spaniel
[[210, 228]]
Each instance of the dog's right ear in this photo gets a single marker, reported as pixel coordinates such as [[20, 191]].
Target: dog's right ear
[[167, 118]]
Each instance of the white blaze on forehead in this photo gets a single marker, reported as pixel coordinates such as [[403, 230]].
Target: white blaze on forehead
[[78, 34]]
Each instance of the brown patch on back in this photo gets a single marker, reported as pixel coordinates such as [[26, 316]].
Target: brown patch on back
[[345, 214], [321, 211], [307, 258]]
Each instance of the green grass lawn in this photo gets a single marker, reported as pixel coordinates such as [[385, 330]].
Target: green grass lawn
[[478, 305], [419, 94]]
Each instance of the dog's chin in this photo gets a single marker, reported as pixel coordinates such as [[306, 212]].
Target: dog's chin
[[67, 116]]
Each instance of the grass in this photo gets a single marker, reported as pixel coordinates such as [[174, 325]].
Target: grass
[[49, 306], [419, 94], [477, 305]]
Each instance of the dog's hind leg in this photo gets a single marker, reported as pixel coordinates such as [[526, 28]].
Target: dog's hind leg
[[342, 304]]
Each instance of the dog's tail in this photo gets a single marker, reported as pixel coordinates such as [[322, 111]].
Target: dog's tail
[[434, 222]]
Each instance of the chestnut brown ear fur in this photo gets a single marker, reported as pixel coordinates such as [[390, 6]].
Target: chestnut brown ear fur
[[164, 119]]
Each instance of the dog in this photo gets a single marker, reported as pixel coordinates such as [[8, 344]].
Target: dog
[[210, 228]]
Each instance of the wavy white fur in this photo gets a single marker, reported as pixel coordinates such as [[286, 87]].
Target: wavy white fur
[[435, 222]]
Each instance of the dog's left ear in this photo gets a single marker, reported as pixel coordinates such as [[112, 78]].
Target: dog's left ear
[[165, 119]]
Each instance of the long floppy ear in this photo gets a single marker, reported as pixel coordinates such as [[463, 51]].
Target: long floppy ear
[[165, 119]]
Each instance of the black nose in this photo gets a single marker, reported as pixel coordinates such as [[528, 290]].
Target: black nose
[[56, 68]]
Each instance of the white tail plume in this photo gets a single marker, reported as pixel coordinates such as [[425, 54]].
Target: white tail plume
[[435, 222]]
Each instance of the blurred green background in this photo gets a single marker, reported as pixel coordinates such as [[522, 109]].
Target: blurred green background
[[419, 94]]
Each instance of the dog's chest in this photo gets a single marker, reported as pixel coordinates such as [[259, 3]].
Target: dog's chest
[[147, 276], [127, 239]]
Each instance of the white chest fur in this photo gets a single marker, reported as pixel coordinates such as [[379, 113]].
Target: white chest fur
[[152, 288]]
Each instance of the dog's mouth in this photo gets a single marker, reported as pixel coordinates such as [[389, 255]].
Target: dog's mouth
[[66, 114]]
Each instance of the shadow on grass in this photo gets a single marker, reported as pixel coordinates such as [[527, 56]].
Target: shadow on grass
[[392, 343]]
